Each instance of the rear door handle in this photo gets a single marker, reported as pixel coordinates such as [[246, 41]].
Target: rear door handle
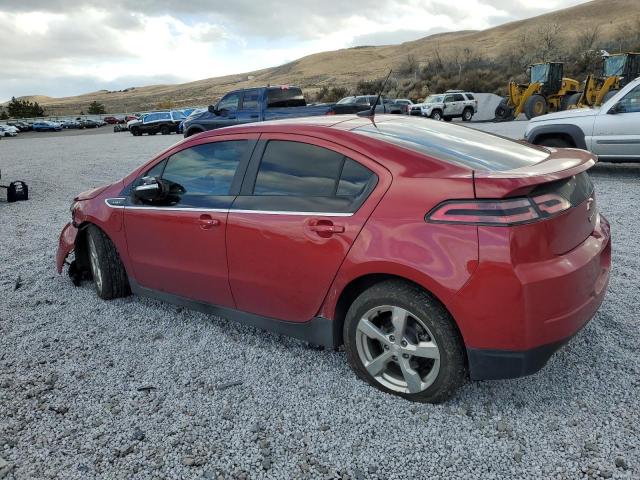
[[207, 222]]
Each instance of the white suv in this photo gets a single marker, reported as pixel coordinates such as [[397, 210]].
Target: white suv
[[611, 131], [448, 105]]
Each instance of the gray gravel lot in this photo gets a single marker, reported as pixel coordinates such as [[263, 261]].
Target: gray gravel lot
[[135, 388]]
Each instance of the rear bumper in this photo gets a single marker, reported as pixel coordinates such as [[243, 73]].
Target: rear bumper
[[513, 318], [66, 244]]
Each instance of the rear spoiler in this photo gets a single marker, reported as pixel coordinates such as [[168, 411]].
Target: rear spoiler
[[561, 163]]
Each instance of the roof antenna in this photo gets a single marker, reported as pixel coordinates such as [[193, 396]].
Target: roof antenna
[[371, 113]]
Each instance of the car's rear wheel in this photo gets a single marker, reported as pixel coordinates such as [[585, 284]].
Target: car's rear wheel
[[136, 132], [467, 115], [107, 270], [399, 339], [165, 130]]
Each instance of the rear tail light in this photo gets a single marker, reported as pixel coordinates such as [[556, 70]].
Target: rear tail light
[[330, 112], [512, 211]]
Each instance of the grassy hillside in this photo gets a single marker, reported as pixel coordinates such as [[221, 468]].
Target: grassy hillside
[[475, 59]]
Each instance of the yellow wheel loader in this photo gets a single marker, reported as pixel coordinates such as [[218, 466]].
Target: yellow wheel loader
[[617, 70], [547, 91]]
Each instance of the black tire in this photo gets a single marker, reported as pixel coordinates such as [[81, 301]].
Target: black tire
[[452, 371], [447, 119], [608, 95], [107, 270], [193, 131], [165, 130], [467, 114], [535, 106], [136, 132], [556, 142], [436, 115]]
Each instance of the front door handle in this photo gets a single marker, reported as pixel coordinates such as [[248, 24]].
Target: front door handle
[[207, 222], [321, 228]]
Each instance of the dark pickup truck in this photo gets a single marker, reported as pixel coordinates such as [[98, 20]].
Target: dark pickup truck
[[253, 105]]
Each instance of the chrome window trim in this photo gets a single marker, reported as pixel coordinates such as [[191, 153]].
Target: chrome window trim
[[228, 210]]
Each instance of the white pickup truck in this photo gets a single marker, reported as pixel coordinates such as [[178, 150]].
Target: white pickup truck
[[611, 131]]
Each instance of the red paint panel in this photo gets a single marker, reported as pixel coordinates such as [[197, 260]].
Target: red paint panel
[[174, 251]]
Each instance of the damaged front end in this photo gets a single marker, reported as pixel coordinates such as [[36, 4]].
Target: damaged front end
[[71, 245]]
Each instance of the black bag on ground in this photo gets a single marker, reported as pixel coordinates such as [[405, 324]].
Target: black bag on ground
[[17, 191]]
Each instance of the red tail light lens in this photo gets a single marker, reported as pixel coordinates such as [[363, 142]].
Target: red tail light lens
[[511, 211], [330, 112], [484, 212]]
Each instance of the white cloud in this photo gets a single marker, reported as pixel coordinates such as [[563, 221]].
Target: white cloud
[[46, 41]]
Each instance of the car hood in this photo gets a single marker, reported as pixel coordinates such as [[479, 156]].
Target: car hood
[[89, 194], [573, 113]]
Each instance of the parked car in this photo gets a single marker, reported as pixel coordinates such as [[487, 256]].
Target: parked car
[[612, 131], [88, 123], [446, 106], [431, 251], [253, 105], [21, 126], [68, 124], [8, 131], [113, 120], [46, 126], [156, 122], [360, 103], [405, 103]]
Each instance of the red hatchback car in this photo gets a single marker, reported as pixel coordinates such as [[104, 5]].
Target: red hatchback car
[[432, 252]]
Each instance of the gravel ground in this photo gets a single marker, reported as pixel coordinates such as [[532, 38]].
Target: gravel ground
[[135, 388]]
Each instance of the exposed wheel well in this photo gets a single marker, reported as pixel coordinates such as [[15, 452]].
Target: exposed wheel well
[[193, 131], [560, 136], [359, 285]]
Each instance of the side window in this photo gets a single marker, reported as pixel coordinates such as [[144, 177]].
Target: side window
[[152, 117], [458, 98], [250, 100], [203, 171], [470, 96], [631, 101], [448, 98], [362, 101], [156, 170], [294, 168], [295, 176], [229, 102], [164, 116]]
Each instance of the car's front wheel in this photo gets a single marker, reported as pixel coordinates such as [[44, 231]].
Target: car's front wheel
[[401, 340], [436, 115], [107, 270]]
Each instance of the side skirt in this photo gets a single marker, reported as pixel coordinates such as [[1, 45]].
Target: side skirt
[[318, 330]]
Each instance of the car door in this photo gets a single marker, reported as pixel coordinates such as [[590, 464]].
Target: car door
[[616, 130], [449, 106], [303, 202], [249, 110], [228, 109], [177, 245]]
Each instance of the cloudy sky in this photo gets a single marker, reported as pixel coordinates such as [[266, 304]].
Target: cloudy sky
[[68, 47]]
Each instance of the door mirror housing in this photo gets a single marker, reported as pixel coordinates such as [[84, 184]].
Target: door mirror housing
[[214, 109], [151, 188], [617, 108]]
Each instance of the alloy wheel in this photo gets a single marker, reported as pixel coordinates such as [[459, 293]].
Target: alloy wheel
[[397, 349]]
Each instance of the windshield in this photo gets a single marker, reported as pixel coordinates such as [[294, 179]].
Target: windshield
[[614, 66], [347, 100], [434, 99], [539, 73]]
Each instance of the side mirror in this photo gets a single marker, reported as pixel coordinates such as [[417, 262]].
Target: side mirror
[[152, 188], [617, 108], [213, 109]]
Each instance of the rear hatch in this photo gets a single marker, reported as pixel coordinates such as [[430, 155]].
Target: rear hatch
[[560, 193]]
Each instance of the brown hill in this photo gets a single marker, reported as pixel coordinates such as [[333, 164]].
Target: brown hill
[[348, 66]]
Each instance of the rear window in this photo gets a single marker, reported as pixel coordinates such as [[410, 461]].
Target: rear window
[[285, 97], [462, 146], [470, 96]]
